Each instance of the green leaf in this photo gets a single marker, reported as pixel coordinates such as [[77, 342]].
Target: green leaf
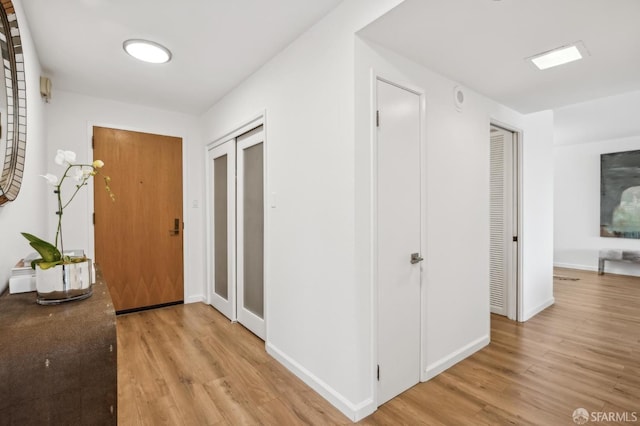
[[48, 251], [47, 265], [36, 262], [30, 237]]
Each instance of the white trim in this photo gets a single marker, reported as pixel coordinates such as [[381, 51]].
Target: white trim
[[373, 141], [616, 268], [535, 311], [574, 266], [253, 122], [354, 412], [195, 299], [373, 254], [91, 249], [455, 357]]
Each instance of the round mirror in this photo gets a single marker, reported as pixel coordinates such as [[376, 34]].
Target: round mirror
[[13, 105]]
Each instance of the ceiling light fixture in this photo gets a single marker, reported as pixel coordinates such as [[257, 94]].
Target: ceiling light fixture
[[559, 56], [147, 51]]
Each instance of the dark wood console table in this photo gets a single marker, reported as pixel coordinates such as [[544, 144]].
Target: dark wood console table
[[58, 364]]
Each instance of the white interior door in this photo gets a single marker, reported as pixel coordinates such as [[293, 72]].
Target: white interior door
[[398, 240], [504, 223], [222, 180], [250, 235]]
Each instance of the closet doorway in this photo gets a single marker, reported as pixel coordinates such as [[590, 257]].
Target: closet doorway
[[504, 224], [236, 228]]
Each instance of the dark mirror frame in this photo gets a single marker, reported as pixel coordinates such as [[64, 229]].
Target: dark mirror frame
[[14, 81]]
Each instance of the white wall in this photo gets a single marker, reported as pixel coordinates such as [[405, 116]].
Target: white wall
[[70, 118], [602, 119], [583, 132], [319, 292], [536, 238], [577, 200], [537, 214], [317, 319], [456, 282], [27, 212]]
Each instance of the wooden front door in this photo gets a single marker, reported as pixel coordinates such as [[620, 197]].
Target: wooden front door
[[138, 238]]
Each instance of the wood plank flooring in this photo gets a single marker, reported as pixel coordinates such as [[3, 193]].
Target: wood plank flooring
[[187, 365]]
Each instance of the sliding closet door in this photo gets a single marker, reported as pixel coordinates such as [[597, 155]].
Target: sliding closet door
[[250, 230], [222, 168]]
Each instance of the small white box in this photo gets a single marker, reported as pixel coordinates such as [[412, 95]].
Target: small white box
[[23, 276], [22, 284]]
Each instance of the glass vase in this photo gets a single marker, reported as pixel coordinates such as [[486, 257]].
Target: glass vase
[[64, 283]]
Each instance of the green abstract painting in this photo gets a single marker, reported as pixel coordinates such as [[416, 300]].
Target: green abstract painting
[[620, 194]]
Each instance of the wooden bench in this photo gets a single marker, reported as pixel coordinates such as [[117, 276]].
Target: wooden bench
[[617, 255]]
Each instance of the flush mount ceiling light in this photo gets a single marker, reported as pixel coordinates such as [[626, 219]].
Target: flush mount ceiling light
[[147, 51], [559, 56]]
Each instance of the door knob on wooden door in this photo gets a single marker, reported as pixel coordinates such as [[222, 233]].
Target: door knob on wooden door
[[176, 227]]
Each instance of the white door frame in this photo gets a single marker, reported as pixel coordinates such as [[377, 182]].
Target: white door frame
[[514, 304], [249, 124], [374, 222]]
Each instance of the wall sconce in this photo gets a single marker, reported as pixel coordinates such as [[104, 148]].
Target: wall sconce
[[45, 89]]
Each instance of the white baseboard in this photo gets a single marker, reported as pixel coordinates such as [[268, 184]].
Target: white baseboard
[[354, 412], [618, 268], [574, 266], [194, 299], [535, 311], [455, 357]]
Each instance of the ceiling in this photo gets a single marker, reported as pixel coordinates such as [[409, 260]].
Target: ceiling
[[215, 44], [482, 45]]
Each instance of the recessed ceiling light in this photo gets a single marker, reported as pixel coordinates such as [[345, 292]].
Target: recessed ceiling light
[[147, 51], [559, 56]]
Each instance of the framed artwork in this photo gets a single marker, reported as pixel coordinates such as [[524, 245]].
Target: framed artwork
[[620, 194]]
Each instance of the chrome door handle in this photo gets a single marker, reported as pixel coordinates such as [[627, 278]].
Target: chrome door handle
[[416, 258], [176, 227]]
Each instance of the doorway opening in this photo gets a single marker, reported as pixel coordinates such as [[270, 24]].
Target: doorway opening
[[505, 252]]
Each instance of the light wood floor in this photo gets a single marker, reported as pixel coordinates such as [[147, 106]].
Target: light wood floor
[[187, 365]]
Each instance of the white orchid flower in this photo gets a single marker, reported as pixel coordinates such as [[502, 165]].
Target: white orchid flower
[[52, 179], [86, 173], [63, 157], [78, 175], [98, 164]]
